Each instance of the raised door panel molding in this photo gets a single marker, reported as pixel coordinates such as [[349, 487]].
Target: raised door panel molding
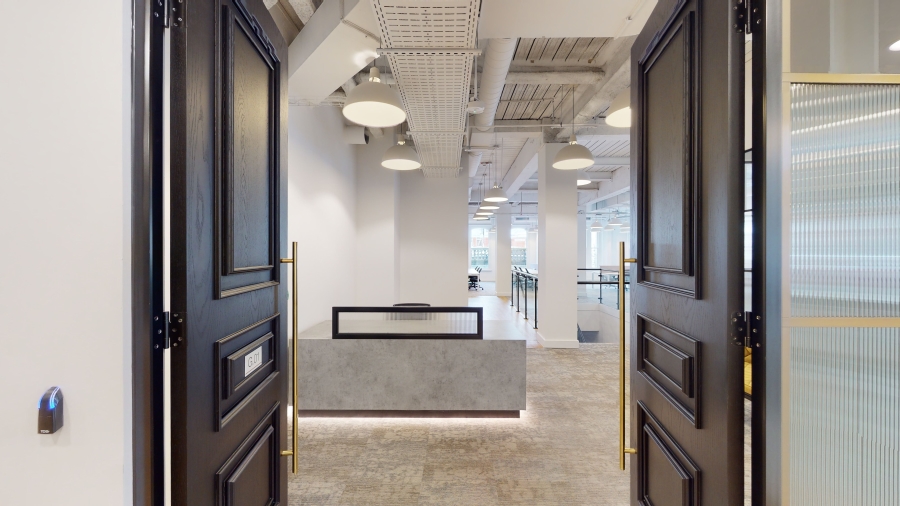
[[666, 474], [247, 156], [669, 172], [670, 362], [246, 363], [255, 461]]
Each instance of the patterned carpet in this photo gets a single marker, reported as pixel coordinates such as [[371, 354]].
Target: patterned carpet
[[562, 451]]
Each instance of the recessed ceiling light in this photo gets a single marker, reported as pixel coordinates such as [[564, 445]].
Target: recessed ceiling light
[[895, 46]]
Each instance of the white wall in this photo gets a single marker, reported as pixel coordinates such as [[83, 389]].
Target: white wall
[[432, 255], [65, 258], [321, 211], [376, 190]]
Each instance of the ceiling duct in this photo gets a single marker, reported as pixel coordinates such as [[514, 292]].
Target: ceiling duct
[[497, 57]]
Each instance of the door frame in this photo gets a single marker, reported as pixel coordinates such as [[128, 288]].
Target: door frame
[[146, 254], [760, 261]]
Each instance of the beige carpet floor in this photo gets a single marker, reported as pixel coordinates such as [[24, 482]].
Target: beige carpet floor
[[562, 451]]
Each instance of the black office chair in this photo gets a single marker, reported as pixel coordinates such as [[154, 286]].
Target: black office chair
[[475, 279]]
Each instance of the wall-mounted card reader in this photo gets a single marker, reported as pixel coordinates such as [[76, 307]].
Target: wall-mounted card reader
[[50, 411]]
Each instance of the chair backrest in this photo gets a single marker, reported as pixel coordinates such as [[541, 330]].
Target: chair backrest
[[478, 269], [527, 271]]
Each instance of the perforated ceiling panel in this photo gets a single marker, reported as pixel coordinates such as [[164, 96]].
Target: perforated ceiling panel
[[429, 47]]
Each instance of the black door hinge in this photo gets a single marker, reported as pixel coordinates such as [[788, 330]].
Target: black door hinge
[[177, 327], [745, 329], [169, 13], [746, 16], [169, 330]]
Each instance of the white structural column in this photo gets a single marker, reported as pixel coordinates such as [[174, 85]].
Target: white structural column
[[582, 246], [504, 254], [557, 252]]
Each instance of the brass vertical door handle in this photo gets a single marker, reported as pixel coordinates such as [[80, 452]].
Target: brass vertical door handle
[[622, 449], [293, 296]]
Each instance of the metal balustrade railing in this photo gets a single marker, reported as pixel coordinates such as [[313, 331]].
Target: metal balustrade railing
[[606, 277], [520, 282]]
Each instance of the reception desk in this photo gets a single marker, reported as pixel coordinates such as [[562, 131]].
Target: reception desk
[[410, 362]]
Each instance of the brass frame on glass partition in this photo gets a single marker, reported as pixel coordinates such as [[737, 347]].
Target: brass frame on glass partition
[[787, 322]]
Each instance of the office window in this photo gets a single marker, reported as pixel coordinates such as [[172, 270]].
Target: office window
[[479, 247], [518, 243]]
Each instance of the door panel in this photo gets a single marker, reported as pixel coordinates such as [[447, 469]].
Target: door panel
[[229, 354], [687, 185]]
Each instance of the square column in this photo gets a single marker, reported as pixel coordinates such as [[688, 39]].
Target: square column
[[557, 252], [503, 263]]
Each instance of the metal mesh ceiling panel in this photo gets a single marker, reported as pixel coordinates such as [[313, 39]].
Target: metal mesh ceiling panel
[[427, 23], [433, 78]]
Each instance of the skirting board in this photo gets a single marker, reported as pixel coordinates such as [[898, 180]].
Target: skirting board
[[547, 343], [341, 413]]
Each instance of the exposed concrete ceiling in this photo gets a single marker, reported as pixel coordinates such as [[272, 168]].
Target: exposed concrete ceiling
[[536, 103]]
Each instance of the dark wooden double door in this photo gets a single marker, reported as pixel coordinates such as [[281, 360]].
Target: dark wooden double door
[[687, 191], [228, 300]]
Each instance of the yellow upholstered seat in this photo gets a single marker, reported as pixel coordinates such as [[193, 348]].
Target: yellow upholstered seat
[[748, 371]]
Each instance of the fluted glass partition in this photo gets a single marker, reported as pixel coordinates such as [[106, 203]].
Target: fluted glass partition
[[845, 200], [844, 375], [844, 412]]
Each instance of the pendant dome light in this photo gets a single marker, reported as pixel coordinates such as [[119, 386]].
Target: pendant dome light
[[595, 226], [480, 218], [619, 112], [574, 156], [401, 156], [485, 206], [615, 222], [582, 179], [374, 104], [495, 194]]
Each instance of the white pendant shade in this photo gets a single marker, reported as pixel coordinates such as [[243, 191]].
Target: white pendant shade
[[374, 104], [582, 179], [495, 194], [401, 157], [488, 206], [615, 222], [480, 218], [573, 157], [895, 46], [483, 213], [609, 227], [619, 112], [596, 226]]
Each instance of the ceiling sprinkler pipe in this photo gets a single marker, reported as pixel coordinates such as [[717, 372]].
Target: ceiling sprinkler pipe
[[497, 57]]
